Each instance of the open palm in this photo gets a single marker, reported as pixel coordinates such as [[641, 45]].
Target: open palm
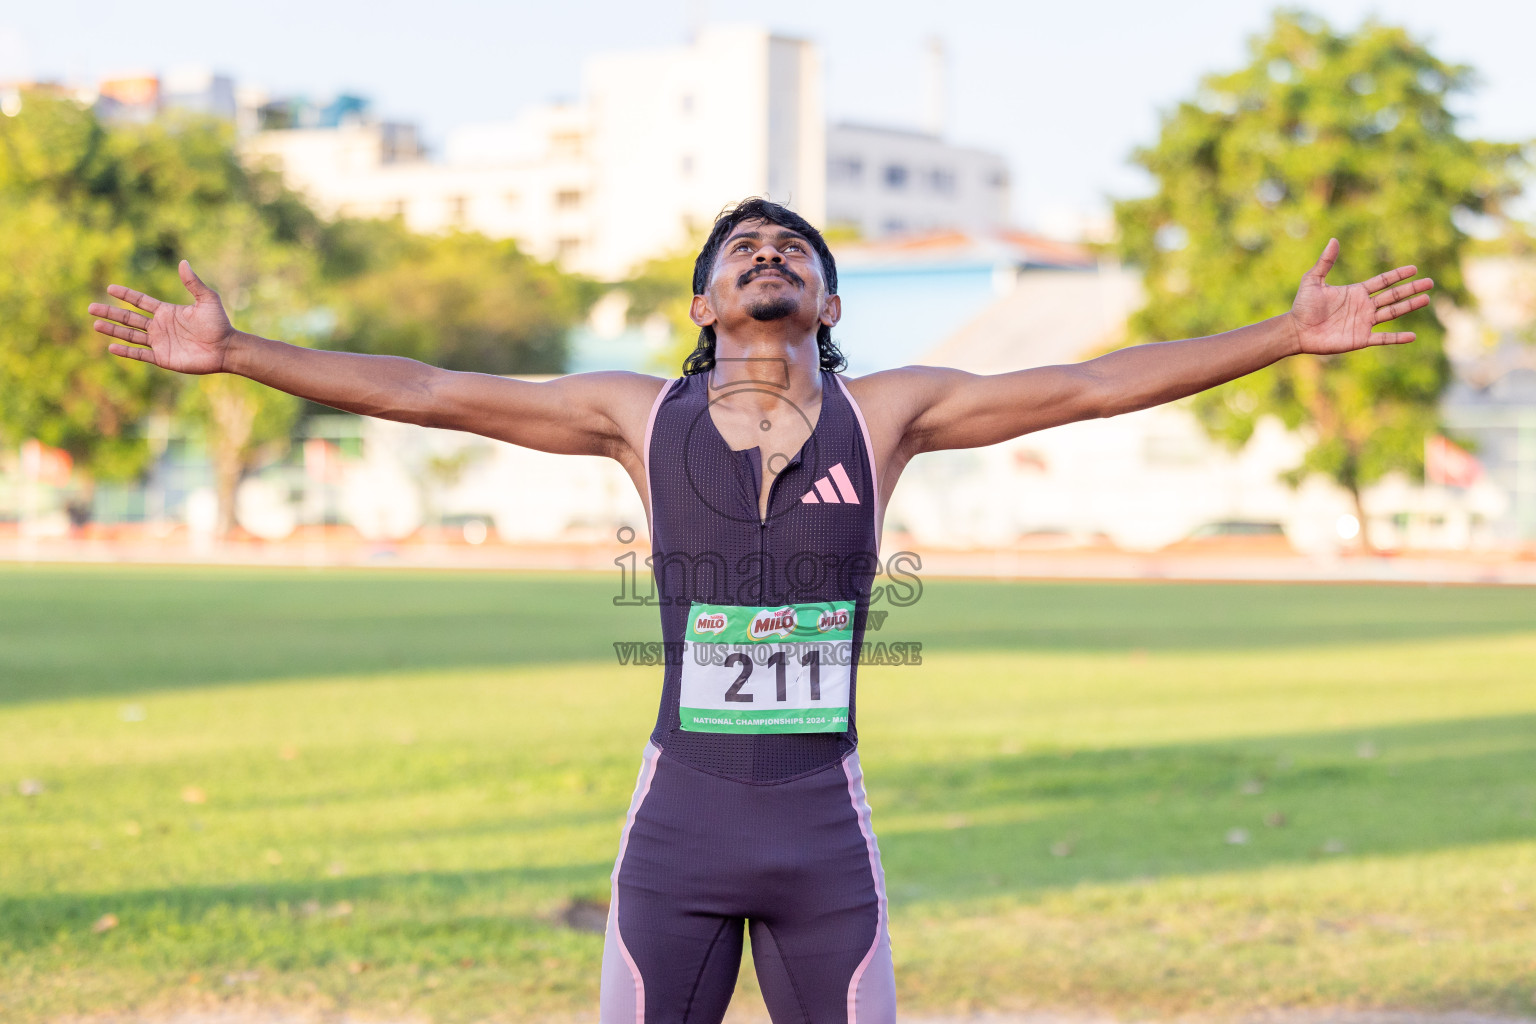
[[188, 339], [1339, 318]]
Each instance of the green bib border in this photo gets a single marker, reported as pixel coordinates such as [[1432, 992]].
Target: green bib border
[[772, 720]]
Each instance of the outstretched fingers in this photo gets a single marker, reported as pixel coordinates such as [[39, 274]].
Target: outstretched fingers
[[120, 332], [1397, 309], [138, 352], [123, 316], [1387, 277], [1391, 337], [148, 303], [1402, 291]]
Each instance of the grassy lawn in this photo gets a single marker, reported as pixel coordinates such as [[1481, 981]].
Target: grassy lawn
[[381, 792]]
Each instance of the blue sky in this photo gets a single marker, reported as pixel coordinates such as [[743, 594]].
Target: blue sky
[[1066, 90]]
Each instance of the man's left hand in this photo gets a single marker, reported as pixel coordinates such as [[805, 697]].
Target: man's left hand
[[1331, 318]]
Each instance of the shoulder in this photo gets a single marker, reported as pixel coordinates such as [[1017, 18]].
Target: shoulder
[[894, 401], [904, 388]]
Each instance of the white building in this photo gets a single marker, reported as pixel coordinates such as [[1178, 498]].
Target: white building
[[887, 181], [645, 160], [529, 179], [642, 163]]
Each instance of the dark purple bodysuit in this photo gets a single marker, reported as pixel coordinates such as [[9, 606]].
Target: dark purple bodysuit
[[730, 828]]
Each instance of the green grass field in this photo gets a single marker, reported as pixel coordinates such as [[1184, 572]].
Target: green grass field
[[382, 792]]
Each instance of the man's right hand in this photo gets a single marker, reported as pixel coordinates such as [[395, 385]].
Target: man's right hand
[[187, 339]]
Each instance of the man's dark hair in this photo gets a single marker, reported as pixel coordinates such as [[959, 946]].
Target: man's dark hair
[[703, 357]]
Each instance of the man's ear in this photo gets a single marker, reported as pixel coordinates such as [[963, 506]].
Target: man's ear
[[700, 313], [832, 310]]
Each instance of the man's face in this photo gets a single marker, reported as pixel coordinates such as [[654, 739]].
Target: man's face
[[765, 272]]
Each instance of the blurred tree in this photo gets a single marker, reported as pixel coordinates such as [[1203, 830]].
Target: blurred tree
[[186, 195], [461, 301], [269, 288], [64, 238], [1322, 134], [664, 287], [83, 206]]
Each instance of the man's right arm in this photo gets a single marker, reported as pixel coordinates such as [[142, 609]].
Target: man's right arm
[[577, 414], [580, 414]]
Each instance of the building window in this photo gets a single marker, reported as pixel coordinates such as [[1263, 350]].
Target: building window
[[687, 166], [895, 176], [512, 198], [566, 144], [687, 103], [397, 208], [942, 181], [568, 199], [998, 179], [893, 226], [458, 208], [567, 248], [848, 170]]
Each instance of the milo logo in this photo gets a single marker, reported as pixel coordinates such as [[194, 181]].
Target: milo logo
[[834, 618], [710, 622], [768, 623]]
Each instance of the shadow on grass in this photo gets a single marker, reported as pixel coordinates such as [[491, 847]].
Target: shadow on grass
[[959, 832], [451, 906], [1017, 825], [79, 632]]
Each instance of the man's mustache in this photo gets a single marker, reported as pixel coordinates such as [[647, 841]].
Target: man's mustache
[[753, 273]]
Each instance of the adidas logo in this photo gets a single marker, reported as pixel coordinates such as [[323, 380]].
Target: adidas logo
[[825, 491]]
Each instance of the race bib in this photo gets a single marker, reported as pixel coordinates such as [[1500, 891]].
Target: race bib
[[750, 669]]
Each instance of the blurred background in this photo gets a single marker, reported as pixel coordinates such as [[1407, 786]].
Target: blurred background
[[1178, 771], [521, 191]]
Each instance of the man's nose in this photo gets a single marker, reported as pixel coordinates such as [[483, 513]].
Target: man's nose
[[769, 254]]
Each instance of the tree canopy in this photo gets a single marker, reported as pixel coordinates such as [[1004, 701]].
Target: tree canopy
[[1323, 134], [85, 204], [461, 301]]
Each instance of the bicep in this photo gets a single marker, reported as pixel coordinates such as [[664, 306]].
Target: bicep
[[968, 410], [577, 414]]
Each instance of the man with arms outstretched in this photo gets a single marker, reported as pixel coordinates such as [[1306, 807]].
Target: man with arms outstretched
[[765, 476]]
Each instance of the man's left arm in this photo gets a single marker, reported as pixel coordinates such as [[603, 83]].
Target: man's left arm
[[949, 408]]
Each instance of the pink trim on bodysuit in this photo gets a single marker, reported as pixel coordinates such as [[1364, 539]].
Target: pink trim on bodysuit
[[879, 1000], [869, 448], [609, 1012], [645, 456]]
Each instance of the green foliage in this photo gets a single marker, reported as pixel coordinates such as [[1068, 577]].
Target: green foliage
[[63, 240], [460, 301], [85, 206], [664, 287], [1323, 134], [270, 287]]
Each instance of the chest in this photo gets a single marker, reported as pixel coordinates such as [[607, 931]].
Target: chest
[[779, 433]]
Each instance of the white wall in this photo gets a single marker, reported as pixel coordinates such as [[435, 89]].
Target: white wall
[[660, 142], [967, 195]]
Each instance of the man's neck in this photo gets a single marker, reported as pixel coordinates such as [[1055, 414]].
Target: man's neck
[[764, 362]]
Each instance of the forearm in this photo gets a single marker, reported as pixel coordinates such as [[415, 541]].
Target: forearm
[[391, 387], [1146, 375]]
